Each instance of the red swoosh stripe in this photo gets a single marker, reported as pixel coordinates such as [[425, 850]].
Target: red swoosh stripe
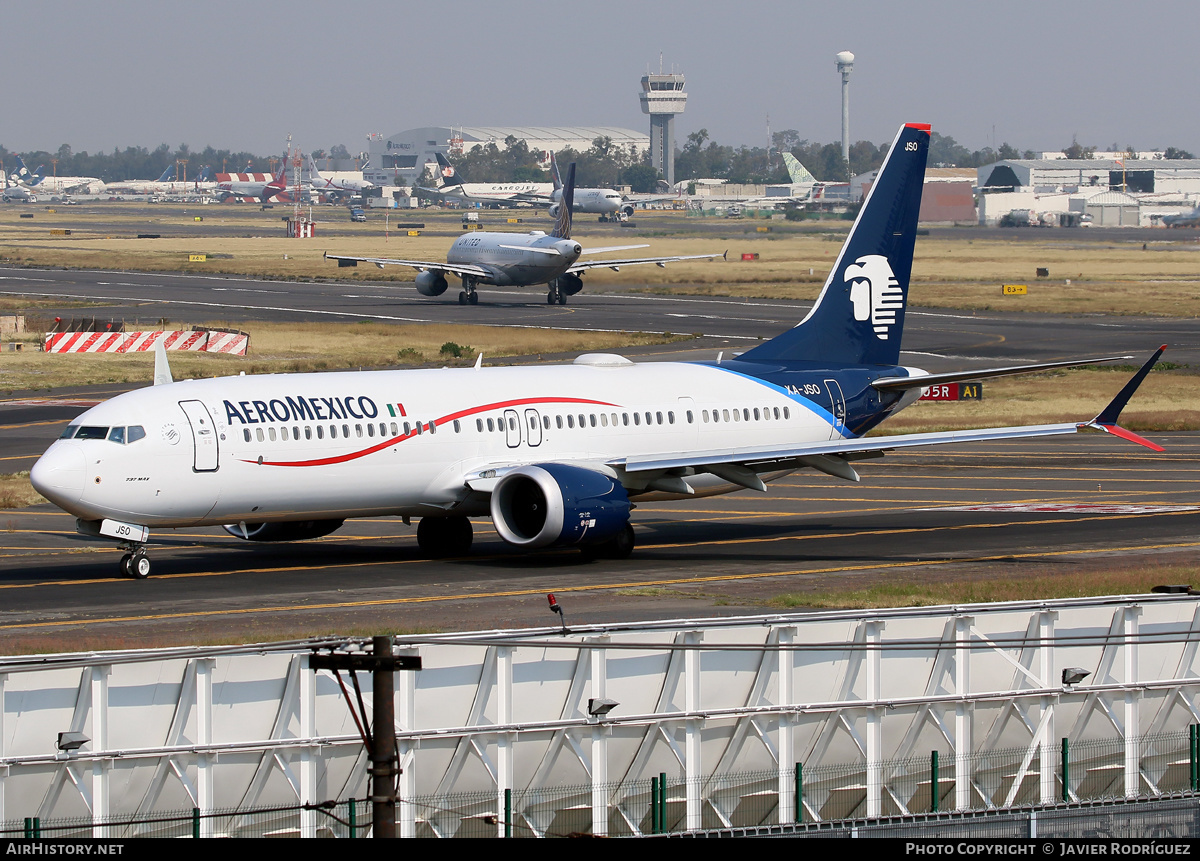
[[499, 405]]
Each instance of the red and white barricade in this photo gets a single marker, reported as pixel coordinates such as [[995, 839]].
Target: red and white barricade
[[193, 340]]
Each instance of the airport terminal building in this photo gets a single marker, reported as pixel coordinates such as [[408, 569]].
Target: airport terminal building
[[400, 160]]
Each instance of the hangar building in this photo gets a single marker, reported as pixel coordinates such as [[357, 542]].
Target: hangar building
[[401, 158]]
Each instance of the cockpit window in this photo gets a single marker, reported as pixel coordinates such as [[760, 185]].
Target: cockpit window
[[119, 435]]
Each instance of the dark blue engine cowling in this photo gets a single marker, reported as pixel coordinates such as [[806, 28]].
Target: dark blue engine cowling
[[295, 530], [552, 505]]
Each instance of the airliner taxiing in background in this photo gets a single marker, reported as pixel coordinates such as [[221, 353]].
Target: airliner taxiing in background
[[517, 259], [555, 455]]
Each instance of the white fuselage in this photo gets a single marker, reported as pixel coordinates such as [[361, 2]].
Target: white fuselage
[[154, 186], [321, 184], [498, 190], [65, 184], [601, 201], [352, 444], [515, 258]]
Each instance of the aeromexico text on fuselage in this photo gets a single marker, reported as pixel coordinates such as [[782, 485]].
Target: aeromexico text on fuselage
[[294, 409]]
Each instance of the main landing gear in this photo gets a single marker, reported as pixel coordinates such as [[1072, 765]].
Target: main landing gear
[[555, 296], [620, 546], [440, 537], [135, 564], [468, 296]]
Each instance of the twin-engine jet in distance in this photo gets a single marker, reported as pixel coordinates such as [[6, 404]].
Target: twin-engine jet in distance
[[555, 455], [451, 188], [331, 185], [518, 259]]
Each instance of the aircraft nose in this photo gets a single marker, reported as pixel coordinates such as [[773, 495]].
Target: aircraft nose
[[59, 474]]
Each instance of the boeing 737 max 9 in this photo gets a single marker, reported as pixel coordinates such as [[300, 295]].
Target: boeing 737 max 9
[[555, 455], [517, 259]]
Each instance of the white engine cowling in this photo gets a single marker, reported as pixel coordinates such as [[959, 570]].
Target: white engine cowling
[[554, 209]]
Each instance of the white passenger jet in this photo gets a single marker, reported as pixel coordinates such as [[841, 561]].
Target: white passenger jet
[[556, 455], [331, 185], [517, 259], [449, 187], [40, 184]]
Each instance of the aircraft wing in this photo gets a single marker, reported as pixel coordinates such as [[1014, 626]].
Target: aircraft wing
[[615, 265], [420, 265], [833, 456]]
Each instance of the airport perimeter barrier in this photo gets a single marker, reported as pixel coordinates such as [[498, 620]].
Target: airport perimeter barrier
[[826, 800], [192, 340]]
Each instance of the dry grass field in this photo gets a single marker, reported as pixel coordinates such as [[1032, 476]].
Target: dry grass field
[[275, 348]]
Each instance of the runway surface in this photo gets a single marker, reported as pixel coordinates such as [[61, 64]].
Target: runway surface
[[962, 512], [725, 323], [1030, 510]]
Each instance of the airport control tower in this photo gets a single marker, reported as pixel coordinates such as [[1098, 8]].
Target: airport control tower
[[662, 98]]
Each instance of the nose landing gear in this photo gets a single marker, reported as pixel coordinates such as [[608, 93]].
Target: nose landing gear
[[135, 564]]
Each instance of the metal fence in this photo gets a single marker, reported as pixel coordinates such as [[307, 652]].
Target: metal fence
[[1007, 798]]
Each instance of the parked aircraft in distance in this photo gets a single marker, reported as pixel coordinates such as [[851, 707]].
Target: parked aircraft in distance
[[1183, 219], [330, 185], [255, 188], [797, 172], [41, 184], [556, 455], [165, 184], [451, 188], [517, 259], [16, 193]]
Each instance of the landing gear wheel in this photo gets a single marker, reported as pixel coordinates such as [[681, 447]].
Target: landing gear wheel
[[462, 298], [139, 566], [550, 298], [439, 537], [127, 565], [562, 298], [620, 546], [473, 298]]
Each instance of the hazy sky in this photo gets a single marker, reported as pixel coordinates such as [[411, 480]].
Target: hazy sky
[[99, 75]]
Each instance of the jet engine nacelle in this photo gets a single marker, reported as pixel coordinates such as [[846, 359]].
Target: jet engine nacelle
[[554, 505], [554, 209], [297, 530], [626, 211], [569, 284], [431, 283]]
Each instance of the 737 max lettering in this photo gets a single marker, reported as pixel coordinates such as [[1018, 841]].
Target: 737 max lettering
[[555, 455]]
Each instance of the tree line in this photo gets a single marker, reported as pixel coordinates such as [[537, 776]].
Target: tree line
[[603, 165], [137, 162]]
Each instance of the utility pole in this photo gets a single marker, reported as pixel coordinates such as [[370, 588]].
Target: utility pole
[[380, 736]]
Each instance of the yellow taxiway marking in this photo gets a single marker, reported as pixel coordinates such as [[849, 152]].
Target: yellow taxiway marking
[[642, 584], [647, 547]]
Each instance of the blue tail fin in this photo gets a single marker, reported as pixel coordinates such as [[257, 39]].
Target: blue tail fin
[[562, 222], [447, 176], [859, 316], [167, 174], [554, 176]]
